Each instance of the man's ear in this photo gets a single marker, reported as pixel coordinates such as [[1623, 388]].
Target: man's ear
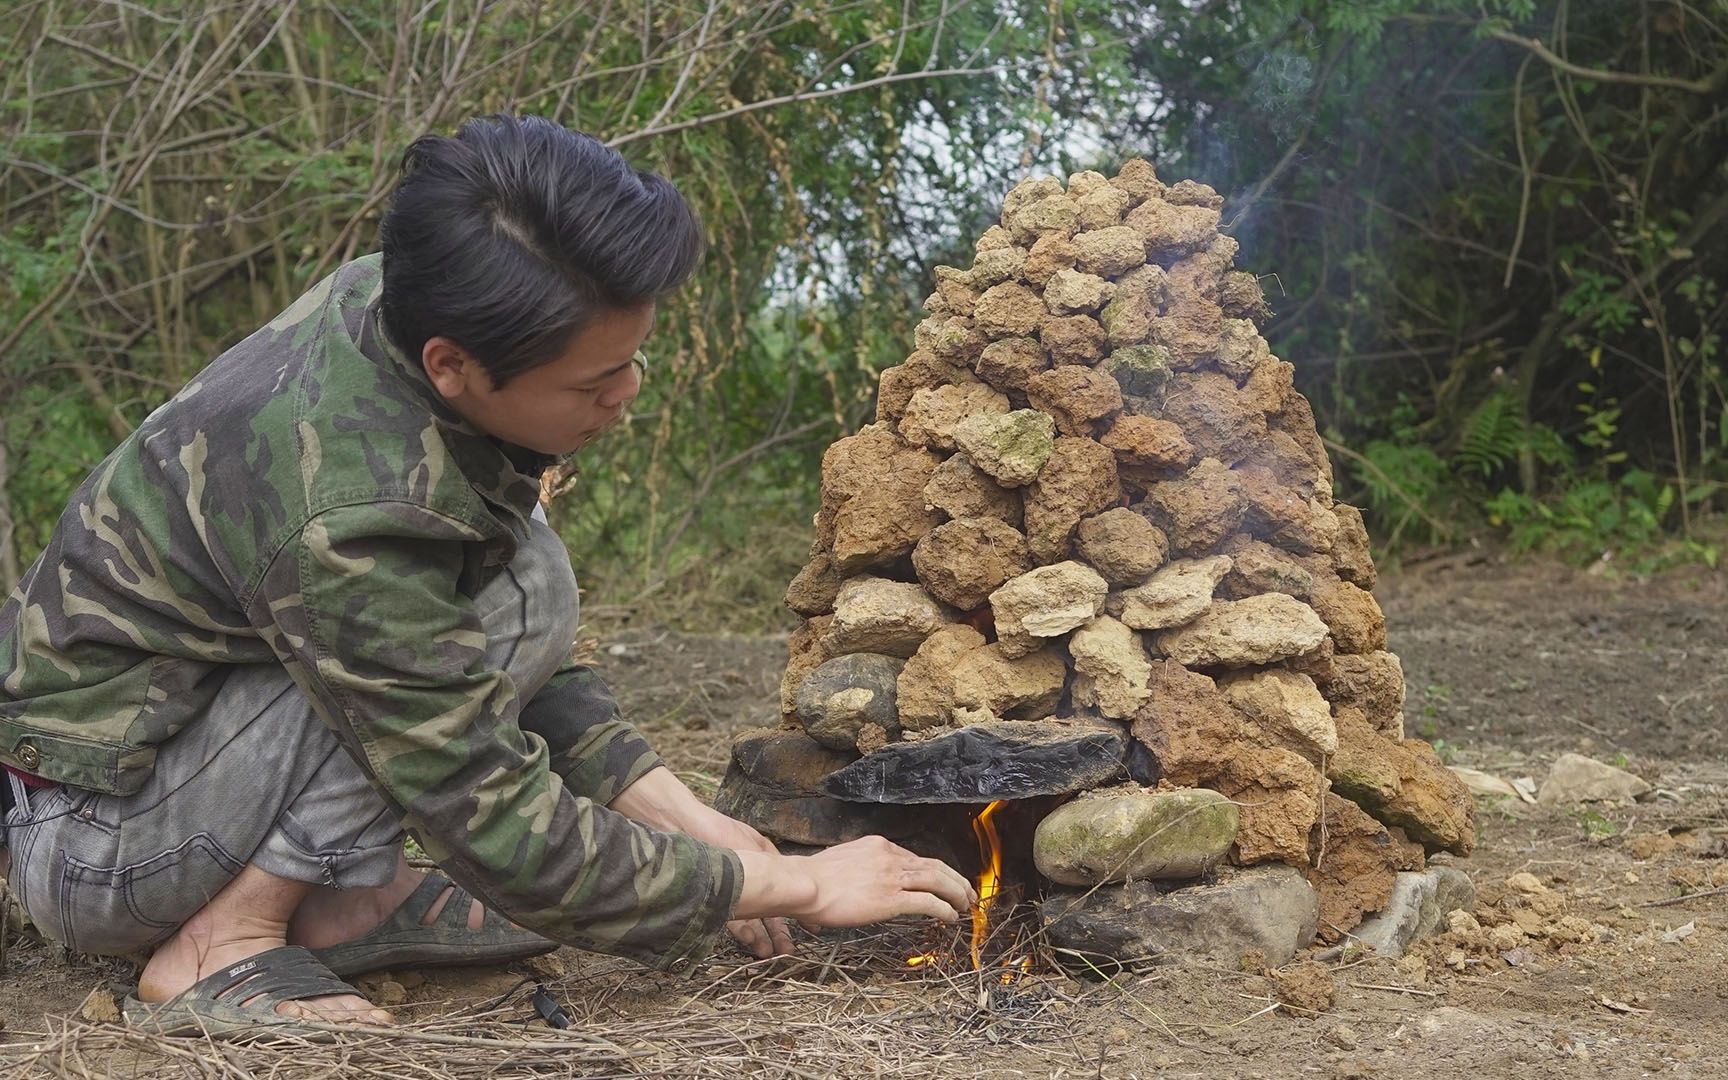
[[448, 365]]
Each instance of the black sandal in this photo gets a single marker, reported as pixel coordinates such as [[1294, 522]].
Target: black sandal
[[242, 998], [402, 940]]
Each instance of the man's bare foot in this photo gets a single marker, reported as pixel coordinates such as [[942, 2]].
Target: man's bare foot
[[248, 917], [331, 917], [328, 917]]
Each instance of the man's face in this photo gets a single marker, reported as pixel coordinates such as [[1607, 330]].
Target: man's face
[[562, 405]]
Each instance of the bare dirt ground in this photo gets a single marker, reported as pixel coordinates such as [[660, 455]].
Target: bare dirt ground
[[1599, 951]]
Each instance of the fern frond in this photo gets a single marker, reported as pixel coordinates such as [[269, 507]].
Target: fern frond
[[1492, 437]]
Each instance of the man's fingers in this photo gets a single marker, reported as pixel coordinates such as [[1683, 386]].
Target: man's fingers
[[780, 935], [930, 876], [925, 903], [971, 890], [763, 938], [953, 882], [751, 934]]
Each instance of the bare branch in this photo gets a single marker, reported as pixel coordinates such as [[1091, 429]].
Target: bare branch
[[1632, 78], [1524, 169], [812, 95]]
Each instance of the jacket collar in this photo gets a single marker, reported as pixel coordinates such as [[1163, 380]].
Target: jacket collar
[[503, 474]]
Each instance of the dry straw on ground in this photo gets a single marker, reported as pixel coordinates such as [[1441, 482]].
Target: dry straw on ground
[[849, 1008]]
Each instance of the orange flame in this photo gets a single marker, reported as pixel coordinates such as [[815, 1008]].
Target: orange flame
[[989, 886], [989, 877]]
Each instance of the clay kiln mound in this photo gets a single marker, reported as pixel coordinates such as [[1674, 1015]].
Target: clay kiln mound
[[1093, 500]]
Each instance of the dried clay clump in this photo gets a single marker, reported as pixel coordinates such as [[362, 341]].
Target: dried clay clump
[[1092, 495]]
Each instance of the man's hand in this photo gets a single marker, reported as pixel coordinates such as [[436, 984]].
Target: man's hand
[[660, 799], [854, 884], [865, 881], [760, 937]]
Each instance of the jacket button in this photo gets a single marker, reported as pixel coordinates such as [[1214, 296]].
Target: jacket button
[[28, 758]]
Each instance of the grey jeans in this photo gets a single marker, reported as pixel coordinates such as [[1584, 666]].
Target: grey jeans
[[259, 780]]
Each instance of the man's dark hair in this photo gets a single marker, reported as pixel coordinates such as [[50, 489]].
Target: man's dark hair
[[511, 235]]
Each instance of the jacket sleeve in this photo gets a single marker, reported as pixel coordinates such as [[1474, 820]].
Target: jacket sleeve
[[367, 611], [596, 752]]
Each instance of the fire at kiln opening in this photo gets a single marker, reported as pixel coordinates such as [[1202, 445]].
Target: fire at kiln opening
[[1000, 892]]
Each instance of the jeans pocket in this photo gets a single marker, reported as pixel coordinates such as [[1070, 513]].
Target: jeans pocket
[[34, 816], [125, 908]]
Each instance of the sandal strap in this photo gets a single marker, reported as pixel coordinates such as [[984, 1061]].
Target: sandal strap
[[454, 914], [404, 938], [287, 973], [411, 913]]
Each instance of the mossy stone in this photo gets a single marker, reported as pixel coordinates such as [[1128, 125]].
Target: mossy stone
[[1141, 370], [1130, 833]]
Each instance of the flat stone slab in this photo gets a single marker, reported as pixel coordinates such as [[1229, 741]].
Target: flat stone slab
[[1420, 902], [1006, 759], [785, 762], [771, 786], [1271, 909], [813, 820]]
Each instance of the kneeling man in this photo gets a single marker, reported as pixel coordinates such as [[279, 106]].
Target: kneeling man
[[312, 603]]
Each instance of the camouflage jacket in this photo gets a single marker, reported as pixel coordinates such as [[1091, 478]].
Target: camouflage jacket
[[309, 500]]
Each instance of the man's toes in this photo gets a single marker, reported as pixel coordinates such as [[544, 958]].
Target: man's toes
[[357, 1010], [336, 1009]]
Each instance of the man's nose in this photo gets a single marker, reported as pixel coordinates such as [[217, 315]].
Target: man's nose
[[624, 389]]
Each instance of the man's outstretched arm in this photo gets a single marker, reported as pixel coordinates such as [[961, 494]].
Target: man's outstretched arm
[[592, 747], [364, 610]]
